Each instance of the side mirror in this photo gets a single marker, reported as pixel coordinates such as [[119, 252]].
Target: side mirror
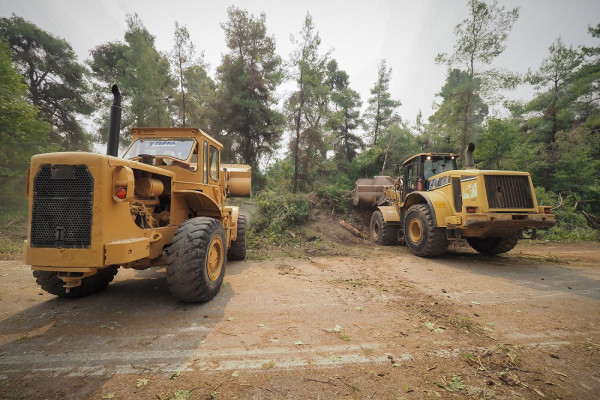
[[397, 169]]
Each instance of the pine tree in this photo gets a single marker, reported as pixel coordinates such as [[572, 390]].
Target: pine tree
[[381, 111]]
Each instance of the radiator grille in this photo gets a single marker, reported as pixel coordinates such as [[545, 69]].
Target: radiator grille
[[508, 191], [62, 207]]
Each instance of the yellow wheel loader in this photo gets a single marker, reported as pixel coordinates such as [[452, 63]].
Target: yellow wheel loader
[[162, 202], [433, 202]]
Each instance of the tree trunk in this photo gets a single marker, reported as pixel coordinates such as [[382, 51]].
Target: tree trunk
[[465, 128], [553, 111], [182, 93], [377, 119], [297, 144]]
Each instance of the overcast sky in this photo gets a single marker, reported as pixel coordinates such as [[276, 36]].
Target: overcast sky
[[407, 33]]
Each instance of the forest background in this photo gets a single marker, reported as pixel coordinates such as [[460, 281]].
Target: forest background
[[321, 136]]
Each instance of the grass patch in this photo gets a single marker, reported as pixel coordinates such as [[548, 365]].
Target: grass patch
[[461, 321], [13, 231]]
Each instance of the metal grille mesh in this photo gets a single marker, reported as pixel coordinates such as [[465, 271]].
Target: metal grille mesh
[[508, 191], [62, 206]]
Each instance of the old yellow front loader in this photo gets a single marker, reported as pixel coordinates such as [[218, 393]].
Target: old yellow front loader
[[163, 202]]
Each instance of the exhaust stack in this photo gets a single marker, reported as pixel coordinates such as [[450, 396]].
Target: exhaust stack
[[114, 125], [469, 160]]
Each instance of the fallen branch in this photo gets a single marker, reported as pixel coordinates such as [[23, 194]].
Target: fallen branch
[[320, 381], [257, 387], [225, 333], [592, 221], [351, 229], [560, 203]]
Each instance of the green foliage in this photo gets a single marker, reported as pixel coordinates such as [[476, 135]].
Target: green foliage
[[143, 75], [381, 111], [457, 120], [480, 38], [344, 117], [397, 144], [200, 102], [183, 57], [336, 197], [368, 163], [22, 133], [279, 175], [57, 82], [307, 107], [552, 107], [576, 166], [279, 212], [249, 75], [496, 144], [13, 226], [570, 222]]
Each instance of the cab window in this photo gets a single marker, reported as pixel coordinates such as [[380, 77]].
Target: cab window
[[411, 181], [214, 163], [194, 159], [205, 169]]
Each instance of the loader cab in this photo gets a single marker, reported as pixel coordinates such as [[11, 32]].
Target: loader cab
[[419, 169], [187, 149]]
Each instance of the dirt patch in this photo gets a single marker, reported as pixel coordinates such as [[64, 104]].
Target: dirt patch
[[327, 315]]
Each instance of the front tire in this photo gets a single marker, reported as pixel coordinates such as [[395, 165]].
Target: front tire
[[423, 238], [196, 260], [237, 251], [51, 283], [381, 233], [492, 246]]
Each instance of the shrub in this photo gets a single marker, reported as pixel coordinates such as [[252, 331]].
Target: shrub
[[336, 197], [279, 211], [570, 223]]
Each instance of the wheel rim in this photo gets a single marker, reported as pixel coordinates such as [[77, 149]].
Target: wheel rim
[[215, 259], [415, 230], [376, 230]]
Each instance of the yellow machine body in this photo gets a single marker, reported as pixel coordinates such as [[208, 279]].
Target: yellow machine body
[[90, 211]]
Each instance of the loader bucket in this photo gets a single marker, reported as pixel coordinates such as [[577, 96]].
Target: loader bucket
[[370, 192], [239, 179]]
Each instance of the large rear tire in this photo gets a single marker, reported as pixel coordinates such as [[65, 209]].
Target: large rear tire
[[382, 233], [196, 260], [237, 251], [422, 237], [492, 246], [51, 283]]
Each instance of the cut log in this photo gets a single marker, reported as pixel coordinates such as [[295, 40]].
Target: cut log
[[351, 229]]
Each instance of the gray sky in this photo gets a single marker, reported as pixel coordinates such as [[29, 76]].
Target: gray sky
[[407, 33]]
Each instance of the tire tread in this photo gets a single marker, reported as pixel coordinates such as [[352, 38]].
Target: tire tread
[[51, 283], [436, 242], [187, 277], [237, 250]]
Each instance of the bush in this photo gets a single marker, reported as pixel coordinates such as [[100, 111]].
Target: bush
[[13, 231], [570, 223], [279, 211], [336, 197]]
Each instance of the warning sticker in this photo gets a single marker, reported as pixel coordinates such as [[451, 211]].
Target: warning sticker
[[469, 191]]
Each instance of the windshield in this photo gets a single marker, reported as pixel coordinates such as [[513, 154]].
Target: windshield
[[176, 148], [433, 167]]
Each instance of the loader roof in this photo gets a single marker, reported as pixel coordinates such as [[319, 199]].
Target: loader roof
[[432, 155], [153, 132]]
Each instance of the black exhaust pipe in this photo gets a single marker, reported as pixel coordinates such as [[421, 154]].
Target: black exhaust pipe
[[114, 124], [469, 159]]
